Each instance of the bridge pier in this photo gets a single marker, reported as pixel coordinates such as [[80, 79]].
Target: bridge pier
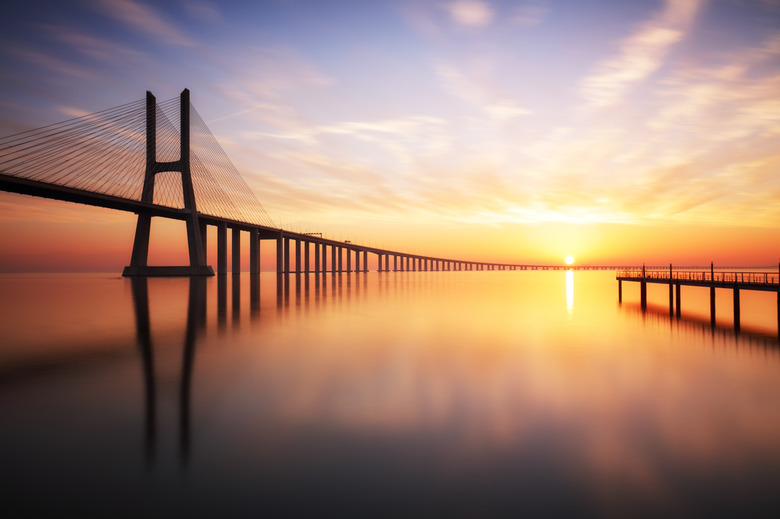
[[254, 251], [222, 249], [306, 256], [736, 308], [286, 255], [236, 256], [195, 239], [316, 258], [349, 259]]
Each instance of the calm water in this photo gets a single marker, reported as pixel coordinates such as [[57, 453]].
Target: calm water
[[474, 394]]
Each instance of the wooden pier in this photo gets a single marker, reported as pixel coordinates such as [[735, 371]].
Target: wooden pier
[[763, 281]]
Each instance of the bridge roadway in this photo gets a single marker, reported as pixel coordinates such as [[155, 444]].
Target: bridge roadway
[[302, 242]]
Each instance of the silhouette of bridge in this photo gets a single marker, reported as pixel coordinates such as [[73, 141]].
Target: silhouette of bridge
[[136, 158]]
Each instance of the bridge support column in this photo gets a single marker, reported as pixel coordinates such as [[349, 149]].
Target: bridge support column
[[222, 249], [341, 256], [620, 290], [365, 261], [736, 309], [297, 256], [333, 258], [643, 295], [236, 255], [387, 262], [286, 255], [306, 256], [349, 259], [195, 239], [279, 254], [316, 258], [357, 261], [254, 252]]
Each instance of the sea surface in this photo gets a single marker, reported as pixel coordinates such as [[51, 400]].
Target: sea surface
[[421, 394]]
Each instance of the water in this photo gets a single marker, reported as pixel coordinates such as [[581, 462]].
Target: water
[[474, 394]]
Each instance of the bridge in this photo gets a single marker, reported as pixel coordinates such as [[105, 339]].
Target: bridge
[[136, 158]]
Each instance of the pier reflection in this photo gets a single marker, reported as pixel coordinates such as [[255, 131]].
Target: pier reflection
[[196, 320], [738, 336]]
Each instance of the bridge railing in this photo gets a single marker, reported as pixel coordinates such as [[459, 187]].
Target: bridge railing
[[762, 278]]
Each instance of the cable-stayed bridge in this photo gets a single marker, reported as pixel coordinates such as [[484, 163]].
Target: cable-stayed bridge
[[161, 160], [146, 158]]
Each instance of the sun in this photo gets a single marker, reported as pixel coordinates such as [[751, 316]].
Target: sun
[[569, 260]]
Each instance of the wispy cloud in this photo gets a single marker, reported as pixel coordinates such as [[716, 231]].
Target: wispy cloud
[[640, 55], [470, 13], [145, 19], [465, 87]]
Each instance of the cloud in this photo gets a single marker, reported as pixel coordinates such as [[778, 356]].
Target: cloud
[[201, 10], [470, 13], [530, 14], [640, 55], [145, 19], [497, 107]]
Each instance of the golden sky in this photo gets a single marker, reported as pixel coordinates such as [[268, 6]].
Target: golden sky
[[512, 131]]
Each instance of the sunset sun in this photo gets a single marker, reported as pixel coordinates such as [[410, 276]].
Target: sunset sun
[[569, 260]]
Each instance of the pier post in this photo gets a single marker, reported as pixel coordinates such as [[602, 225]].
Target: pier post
[[222, 248], [712, 307], [341, 256], [671, 291], [395, 263], [357, 261], [736, 309], [387, 263], [333, 258], [254, 251], [678, 303], [620, 290], [349, 259], [306, 256], [236, 255], [316, 258], [365, 261]]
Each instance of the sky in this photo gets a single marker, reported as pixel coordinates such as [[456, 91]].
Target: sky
[[618, 132]]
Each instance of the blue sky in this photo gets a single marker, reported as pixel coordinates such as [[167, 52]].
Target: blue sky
[[357, 118]]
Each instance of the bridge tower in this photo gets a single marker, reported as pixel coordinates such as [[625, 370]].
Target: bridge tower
[[195, 240]]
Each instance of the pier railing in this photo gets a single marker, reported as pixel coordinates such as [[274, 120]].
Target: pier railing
[[704, 276]]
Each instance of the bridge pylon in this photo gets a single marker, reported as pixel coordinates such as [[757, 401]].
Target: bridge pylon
[[195, 240]]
